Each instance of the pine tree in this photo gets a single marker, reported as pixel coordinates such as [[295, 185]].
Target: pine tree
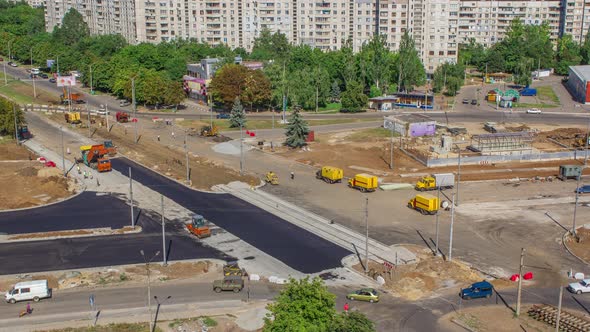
[[237, 118], [335, 92], [297, 130]]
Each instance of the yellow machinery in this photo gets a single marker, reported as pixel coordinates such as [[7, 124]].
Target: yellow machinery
[[198, 226], [271, 178], [72, 117], [363, 182], [424, 203], [330, 174], [208, 131], [436, 181]]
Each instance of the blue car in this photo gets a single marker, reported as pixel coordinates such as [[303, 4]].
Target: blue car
[[222, 116], [477, 290], [583, 189]]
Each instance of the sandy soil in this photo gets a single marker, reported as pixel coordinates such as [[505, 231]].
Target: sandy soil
[[203, 270], [35, 183], [492, 318], [581, 248], [224, 323], [425, 277], [163, 159]]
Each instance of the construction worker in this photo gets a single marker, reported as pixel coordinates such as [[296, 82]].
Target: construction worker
[[172, 135], [85, 175], [346, 307], [158, 138], [90, 175], [78, 167], [292, 176], [29, 310]]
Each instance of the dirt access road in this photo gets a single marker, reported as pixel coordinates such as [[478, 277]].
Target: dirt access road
[[25, 182]]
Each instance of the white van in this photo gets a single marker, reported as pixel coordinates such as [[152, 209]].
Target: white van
[[35, 71], [28, 290]]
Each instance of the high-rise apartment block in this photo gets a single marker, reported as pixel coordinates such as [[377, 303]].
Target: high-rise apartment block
[[437, 26]]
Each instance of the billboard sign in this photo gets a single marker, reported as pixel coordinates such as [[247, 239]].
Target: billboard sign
[[50, 63], [66, 81]]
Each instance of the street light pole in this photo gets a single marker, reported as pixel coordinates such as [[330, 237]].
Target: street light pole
[[241, 150], [5, 77], [587, 138], [90, 79], [188, 178], [211, 109], [518, 294], [15, 124], [63, 155], [33, 76], [436, 253], [149, 290], [134, 106], [391, 148], [164, 258], [131, 199], [451, 230], [366, 235], [458, 174], [576, 206]]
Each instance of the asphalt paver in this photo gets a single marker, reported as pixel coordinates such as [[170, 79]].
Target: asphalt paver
[[296, 247]]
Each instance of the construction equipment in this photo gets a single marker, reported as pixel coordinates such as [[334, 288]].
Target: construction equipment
[[94, 156], [72, 117], [424, 203], [198, 226], [233, 269], [580, 140], [363, 182], [330, 174], [110, 147], [208, 131], [122, 117], [271, 178], [23, 133], [436, 181], [569, 172], [76, 97]]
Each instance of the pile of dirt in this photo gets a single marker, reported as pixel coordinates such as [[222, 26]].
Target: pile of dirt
[[425, 277], [36, 183], [580, 248]]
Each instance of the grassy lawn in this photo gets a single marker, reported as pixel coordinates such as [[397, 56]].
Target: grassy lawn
[[125, 327], [527, 105], [210, 322], [15, 91], [367, 134], [223, 125], [546, 93]]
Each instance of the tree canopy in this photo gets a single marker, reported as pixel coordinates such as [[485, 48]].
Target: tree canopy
[[7, 115], [72, 30]]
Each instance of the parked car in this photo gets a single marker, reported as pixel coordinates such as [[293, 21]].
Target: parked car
[[477, 290], [231, 283], [364, 294], [52, 80], [473, 101], [583, 189], [28, 290], [465, 101], [43, 75], [533, 111], [580, 287], [12, 64], [222, 116], [123, 103]]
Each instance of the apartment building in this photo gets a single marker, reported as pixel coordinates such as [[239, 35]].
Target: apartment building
[[575, 18]]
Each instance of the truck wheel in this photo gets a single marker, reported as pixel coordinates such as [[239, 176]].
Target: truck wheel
[[217, 290], [237, 290], [363, 189], [13, 301], [36, 299], [410, 205], [422, 211]]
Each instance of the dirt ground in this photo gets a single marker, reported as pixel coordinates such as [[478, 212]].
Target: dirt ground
[[163, 159], [581, 248], [492, 318], [204, 270], [35, 183], [425, 277], [372, 155], [223, 323]]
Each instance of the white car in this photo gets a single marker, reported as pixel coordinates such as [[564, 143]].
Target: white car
[[533, 111], [580, 287]]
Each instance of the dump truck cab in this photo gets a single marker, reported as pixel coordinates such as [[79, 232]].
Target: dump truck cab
[[198, 226], [93, 156], [426, 183], [104, 165], [271, 178], [110, 147], [72, 117], [330, 174], [122, 117], [24, 133]]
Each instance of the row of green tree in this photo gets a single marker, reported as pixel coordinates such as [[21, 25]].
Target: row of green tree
[[524, 49]]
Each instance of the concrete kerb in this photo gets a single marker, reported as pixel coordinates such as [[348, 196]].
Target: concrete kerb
[[103, 231], [563, 241]]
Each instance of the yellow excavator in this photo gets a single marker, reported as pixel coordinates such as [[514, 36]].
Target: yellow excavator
[[208, 131], [271, 178]]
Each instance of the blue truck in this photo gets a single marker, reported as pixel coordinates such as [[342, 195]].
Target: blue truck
[[528, 91]]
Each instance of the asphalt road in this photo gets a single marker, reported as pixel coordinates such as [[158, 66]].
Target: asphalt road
[[87, 210], [298, 248], [86, 252]]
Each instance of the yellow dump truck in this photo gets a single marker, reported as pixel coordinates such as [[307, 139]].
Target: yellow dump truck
[[436, 181], [363, 182], [330, 174], [72, 117], [424, 203]]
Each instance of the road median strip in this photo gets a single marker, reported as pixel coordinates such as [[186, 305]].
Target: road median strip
[[75, 233]]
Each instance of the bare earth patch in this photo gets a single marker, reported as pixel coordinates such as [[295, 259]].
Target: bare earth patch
[[581, 248]]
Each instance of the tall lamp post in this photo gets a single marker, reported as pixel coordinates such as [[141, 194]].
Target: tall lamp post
[[33, 76], [149, 289]]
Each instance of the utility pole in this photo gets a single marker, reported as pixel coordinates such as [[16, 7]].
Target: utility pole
[[63, 155], [188, 179], [107, 116], [16, 125], [211, 109], [587, 138], [88, 112], [164, 258], [70, 95], [91, 79], [57, 64], [131, 199], [458, 174], [134, 106], [366, 234], [436, 253], [33, 76], [241, 151], [391, 148], [576, 206], [149, 289], [5, 77], [284, 96], [558, 309], [518, 295], [451, 230]]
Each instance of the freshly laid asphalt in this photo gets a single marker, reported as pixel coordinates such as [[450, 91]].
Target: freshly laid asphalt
[[296, 247], [87, 210], [86, 252]]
